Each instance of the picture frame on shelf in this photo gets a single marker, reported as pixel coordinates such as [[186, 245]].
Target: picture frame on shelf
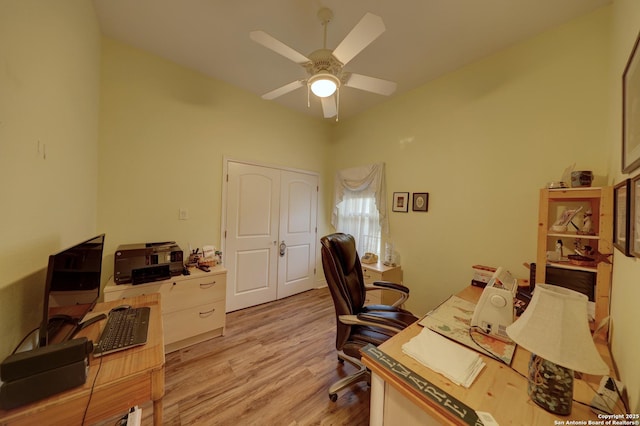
[[634, 231], [631, 111], [420, 202], [621, 216], [400, 202]]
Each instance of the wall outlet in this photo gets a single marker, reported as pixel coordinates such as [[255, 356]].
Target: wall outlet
[[606, 399], [135, 416]]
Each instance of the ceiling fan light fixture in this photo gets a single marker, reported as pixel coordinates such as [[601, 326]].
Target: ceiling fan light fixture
[[324, 84]]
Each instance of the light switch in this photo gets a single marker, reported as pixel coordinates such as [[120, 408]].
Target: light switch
[[183, 214]]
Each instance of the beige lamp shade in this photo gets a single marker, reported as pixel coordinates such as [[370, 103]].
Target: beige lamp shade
[[555, 326]]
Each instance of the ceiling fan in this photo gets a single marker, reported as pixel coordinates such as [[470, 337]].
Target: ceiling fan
[[325, 68]]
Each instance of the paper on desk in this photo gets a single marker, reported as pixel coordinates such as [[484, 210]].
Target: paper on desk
[[455, 362], [208, 251]]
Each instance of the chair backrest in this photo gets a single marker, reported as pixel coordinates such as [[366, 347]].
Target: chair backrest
[[343, 272]]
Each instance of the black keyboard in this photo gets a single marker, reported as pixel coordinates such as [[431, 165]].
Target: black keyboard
[[124, 329]]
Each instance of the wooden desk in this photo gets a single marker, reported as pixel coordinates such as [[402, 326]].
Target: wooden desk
[[124, 379], [497, 390]]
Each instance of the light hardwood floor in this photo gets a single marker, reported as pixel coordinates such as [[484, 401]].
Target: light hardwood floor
[[273, 366]]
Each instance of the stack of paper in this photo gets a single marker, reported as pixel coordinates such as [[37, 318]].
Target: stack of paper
[[455, 362]]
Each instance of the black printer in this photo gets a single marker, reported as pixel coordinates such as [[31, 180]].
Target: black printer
[[146, 262]]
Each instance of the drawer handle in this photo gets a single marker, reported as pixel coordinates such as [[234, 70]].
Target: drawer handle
[[207, 285], [207, 313]]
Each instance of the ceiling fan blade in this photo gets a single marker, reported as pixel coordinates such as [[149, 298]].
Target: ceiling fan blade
[[329, 108], [283, 90], [279, 47], [371, 84], [367, 30]]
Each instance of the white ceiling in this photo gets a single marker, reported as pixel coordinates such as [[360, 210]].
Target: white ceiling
[[423, 39]]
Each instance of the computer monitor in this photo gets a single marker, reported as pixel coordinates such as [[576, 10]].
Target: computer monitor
[[72, 288]]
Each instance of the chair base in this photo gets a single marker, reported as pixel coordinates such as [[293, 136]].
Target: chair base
[[361, 375]]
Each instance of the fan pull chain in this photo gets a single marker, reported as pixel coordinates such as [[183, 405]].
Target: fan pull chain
[[308, 96], [337, 103]]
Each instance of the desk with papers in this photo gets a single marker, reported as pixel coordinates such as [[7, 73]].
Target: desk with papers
[[404, 391], [436, 352]]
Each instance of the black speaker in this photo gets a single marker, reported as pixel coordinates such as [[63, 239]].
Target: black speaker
[[38, 386], [28, 363], [32, 375]]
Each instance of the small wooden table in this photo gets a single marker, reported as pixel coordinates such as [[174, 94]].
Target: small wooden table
[[498, 389], [115, 383]]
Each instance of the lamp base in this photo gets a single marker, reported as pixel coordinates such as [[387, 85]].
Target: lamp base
[[550, 385]]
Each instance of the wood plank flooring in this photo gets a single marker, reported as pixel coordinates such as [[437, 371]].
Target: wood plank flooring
[[273, 366]]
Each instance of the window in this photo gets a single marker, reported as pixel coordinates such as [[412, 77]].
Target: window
[[360, 206], [358, 216]]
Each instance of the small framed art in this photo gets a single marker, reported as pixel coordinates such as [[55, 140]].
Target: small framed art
[[634, 231], [621, 208], [401, 202], [420, 201], [630, 111]]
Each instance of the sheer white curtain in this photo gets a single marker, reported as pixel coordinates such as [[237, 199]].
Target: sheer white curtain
[[360, 206], [358, 216]]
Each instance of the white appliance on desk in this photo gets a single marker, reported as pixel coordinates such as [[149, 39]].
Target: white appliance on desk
[[495, 310]]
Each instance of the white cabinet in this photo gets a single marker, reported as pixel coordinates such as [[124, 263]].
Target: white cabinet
[[381, 272], [193, 306]]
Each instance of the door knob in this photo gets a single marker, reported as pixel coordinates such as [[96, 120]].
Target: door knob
[[283, 247]]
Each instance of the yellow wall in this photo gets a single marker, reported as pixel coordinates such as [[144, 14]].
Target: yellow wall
[[626, 285], [482, 141], [164, 132], [49, 87]]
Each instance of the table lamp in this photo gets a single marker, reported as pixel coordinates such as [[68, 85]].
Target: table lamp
[[555, 329]]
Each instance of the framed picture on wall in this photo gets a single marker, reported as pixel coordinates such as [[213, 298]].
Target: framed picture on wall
[[420, 201], [631, 112], [621, 208], [634, 232], [401, 202]]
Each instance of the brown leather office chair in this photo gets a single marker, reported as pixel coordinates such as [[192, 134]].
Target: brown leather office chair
[[357, 324]]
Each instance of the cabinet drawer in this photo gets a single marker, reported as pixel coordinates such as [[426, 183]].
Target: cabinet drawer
[[123, 291], [373, 298], [180, 325], [176, 294], [187, 293], [370, 275], [380, 272]]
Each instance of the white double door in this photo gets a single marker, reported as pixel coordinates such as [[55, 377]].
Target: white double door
[[270, 233]]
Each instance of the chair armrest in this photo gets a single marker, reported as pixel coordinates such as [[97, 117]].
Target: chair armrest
[[370, 320], [379, 318], [399, 289], [391, 286]]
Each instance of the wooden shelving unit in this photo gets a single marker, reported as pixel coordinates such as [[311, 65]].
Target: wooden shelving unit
[[600, 201]]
